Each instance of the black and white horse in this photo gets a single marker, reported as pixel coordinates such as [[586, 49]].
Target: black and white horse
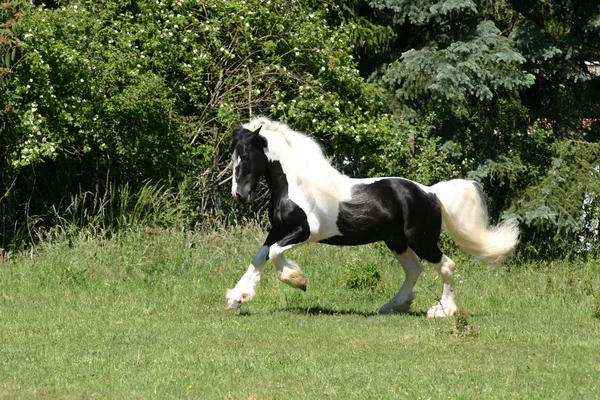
[[312, 202]]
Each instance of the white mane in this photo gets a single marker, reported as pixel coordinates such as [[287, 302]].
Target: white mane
[[301, 156]]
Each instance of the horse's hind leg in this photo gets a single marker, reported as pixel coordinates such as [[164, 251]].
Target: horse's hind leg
[[405, 296], [447, 306], [446, 268]]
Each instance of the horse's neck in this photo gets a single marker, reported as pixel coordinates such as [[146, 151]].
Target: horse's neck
[[283, 177], [314, 179], [276, 180]]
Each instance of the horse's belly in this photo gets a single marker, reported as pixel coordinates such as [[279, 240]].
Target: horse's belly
[[341, 240]]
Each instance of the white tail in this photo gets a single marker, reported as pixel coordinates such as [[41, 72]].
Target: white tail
[[464, 216]]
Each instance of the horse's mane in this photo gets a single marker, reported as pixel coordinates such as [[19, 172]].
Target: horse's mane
[[297, 141], [310, 163]]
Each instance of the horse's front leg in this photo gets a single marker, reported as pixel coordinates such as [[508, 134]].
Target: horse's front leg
[[288, 271], [246, 287]]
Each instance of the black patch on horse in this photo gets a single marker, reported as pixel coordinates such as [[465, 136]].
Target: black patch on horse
[[394, 210], [284, 214]]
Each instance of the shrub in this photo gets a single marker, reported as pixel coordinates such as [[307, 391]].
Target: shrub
[[122, 92], [361, 275]]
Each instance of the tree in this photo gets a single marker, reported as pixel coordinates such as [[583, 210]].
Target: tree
[[112, 93], [506, 82]]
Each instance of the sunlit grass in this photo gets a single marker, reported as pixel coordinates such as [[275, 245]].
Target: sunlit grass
[[142, 316]]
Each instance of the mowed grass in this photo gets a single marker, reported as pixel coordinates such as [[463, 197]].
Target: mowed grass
[[141, 316]]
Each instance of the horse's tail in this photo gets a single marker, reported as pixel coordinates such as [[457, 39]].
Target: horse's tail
[[464, 216]]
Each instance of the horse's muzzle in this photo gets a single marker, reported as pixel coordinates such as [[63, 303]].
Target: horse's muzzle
[[240, 198]]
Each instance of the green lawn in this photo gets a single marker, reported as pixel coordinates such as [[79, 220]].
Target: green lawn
[[142, 316]]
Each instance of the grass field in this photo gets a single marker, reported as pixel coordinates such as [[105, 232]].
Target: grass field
[[141, 316]]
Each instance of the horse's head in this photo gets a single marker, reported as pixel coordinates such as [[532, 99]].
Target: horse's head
[[249, 162]]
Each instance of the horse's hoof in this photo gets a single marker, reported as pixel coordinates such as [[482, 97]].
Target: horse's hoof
[[386, 309], [439, 311], [303, 286], [295, 279], [395, 309], [233, 304]]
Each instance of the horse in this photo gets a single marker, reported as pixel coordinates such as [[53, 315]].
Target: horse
[[311, 201]]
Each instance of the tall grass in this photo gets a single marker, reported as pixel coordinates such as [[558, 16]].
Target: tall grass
[[118, 210]]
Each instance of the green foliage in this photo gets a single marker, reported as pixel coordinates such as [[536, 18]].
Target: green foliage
[[494, 74], [414, 151], [79, 91], [557, 39], [116, 92], [565, 203], [422, 12], [372, 35], [463, 73]]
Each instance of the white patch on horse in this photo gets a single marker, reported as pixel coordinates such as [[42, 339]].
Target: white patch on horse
[[412, 269], [236, 160], [447, 306], [245, 289]]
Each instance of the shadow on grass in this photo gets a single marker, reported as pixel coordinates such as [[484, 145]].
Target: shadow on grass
[[334, 312]]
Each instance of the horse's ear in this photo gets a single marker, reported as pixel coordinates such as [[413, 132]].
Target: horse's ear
[[254, 135], [256, 132], [236, 134]]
